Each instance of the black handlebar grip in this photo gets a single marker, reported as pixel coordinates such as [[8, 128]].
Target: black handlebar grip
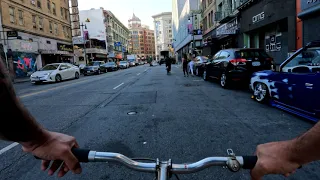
[[81, 154], [249, 162]]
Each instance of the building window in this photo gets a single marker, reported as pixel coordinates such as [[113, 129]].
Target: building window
[[12, 15], [49, 6], [62, 12], [48, 42], [38, 3], [34, 22], [41, 23], [66, 14], [20, 14], [54, 8], [50, 27], [55, 29]]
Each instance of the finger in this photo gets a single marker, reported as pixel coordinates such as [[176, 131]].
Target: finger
[[54, 166], [63, 170], [256, 175], [287, 174], [45, 164], [72, 162]]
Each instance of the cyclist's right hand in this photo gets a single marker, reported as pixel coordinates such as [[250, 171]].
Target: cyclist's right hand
[[274, 158]]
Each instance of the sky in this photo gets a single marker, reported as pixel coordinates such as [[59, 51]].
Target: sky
[[123, 9]]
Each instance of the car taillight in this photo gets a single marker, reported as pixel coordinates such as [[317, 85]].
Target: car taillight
[[236, 62]]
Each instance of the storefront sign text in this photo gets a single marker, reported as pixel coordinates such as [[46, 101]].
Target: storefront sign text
[[273, 43], [64, 47], [258, 18], [228, 28]]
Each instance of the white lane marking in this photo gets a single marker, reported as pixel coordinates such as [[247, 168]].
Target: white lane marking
[[118, 86], [8, 148], [138, 74]]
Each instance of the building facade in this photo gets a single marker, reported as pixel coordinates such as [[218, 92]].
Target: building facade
[[270, 25], [93, 30], [186, 19], [310, 16], [141, 42], [162, 32], [38, 33], [117, 36]]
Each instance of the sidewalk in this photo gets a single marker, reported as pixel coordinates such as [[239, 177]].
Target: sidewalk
[[21, 80]]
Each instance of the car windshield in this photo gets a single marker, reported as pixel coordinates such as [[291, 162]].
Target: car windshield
[[309, 57], [50, 67], [110, 63], [123, 62], [94, 63]]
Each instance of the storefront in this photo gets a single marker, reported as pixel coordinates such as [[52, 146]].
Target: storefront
[[210, 44], [310, 17], [61, 53], [227, 34], [270, 25]]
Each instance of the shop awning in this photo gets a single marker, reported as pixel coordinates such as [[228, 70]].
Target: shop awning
[[310, 11]]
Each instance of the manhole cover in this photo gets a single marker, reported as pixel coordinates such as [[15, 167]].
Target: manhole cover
[[132, 113]]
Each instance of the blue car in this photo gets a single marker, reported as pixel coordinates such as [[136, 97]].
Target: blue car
[[296, 87]]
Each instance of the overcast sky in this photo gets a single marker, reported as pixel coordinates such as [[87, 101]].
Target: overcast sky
[[123, 9]]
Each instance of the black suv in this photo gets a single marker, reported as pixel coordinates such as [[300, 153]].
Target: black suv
[[94, 67], [234, 65]]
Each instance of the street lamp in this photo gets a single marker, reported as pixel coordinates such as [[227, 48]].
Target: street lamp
[[84, 42]]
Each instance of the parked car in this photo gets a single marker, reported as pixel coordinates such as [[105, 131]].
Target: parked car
[[56, 72], [94, 67], [124, 64], [132, 63], [236, 65], [111, 66], [200, 64], [296, 86]]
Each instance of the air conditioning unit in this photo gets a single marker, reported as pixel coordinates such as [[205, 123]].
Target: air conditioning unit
[[33, 2], [34, 25], [50, 31]]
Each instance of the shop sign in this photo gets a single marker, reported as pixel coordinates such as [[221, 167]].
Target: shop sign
[[258, 18], [227, 28], [78, 40], [305, 4], [23, 46], [74, 3], [273, 43], [64, 47], [12, 33]]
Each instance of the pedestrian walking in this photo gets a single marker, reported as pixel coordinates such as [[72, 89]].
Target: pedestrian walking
[[191, 65], [185, 65]]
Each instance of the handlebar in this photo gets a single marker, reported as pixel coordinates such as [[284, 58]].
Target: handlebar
[[234, 163]]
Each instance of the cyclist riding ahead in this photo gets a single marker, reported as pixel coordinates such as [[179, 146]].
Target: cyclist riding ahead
[[18, 125]]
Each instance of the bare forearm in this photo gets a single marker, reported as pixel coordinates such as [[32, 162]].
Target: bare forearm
[[16, 123], [306, 147]]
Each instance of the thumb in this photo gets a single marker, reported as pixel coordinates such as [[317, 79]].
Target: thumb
[[72, 162]]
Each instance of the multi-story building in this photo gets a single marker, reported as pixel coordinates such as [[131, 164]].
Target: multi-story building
[[94, 30], [118, 36], [186, 18], [162, 32], [141, 40], [38, 33]]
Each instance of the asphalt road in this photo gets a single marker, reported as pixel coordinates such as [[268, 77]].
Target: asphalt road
[[182, 118]]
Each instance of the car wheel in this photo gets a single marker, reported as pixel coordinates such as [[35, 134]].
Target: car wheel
[[77, 76], [58, 78], [205, 77], [99, 72], [224, 80], [260, 92]]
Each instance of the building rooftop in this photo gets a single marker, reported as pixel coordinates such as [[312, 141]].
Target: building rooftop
[[162, 14], [134, 18]]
